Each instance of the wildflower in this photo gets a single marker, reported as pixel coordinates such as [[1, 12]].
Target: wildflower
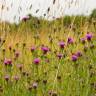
[[74, 58], [17, 53], [83, 40], [70, 40], [7, 77], [32, 49], [78, 54], [5, 62], [61, 44], [89, 36], [25, 18], [16, 78], [35, 85], [44, 49], [8, 61], [59, 55], [36, 61]]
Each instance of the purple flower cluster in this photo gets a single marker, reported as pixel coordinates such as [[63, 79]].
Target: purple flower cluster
[[8, 61], [32, 48], [76, 56], [36, 61], [70, 40], [45, 49], [61, 44], [59, 55], [89, 36]]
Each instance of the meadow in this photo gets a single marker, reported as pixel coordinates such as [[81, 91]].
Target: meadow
[[48, 58]]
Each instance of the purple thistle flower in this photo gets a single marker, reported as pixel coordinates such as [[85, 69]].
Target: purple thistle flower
[[35, 85], [70, 40], [16, 78], [33, 49], [17, 53], [59, 55], [5, 62], [61, 44], [78, 54], [44, 49], [8, 61], [25, 18], [89, 36], [83, 40], [36, 61], [7, 77], [74, 58]]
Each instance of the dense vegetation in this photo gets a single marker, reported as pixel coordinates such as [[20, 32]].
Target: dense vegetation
[[48, 58]]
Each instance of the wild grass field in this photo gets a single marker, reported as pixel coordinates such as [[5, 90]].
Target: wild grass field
[[48, 58]]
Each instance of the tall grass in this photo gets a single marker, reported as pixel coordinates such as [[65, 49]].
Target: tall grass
[[48, 58]]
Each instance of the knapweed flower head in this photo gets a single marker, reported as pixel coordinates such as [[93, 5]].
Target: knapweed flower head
[[83, 40], [89, 36], [78, 54], [35, 85], [25, 18], [17, 53], [6, 77], [61, 44], [16, 78], [44, 49], [32, 48], [70, 40], [8, 61], [59, 55], [74, 58], [36, 61]]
